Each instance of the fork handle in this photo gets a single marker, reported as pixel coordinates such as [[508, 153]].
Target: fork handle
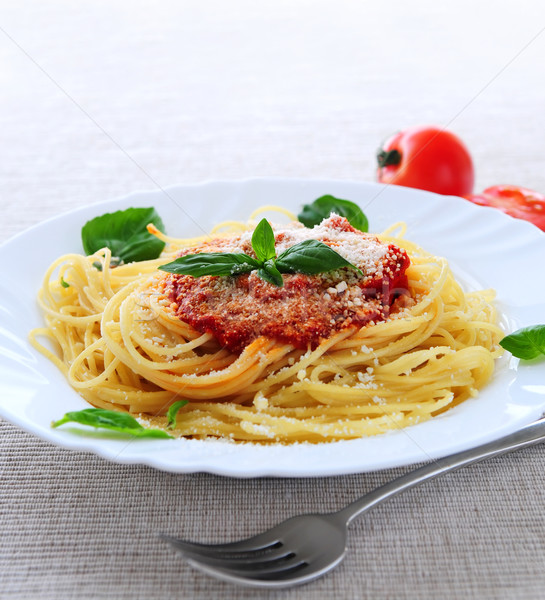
[[527, 436]]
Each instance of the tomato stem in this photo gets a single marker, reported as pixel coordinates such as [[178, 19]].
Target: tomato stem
[[385, 158]]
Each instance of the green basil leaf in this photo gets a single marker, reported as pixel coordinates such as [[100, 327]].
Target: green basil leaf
[[110, 419], [124, 233], [211, 263], [313, 214], [268, 272], [263, 241], [173, 412], [311, 257], [526, 343], [64, 283]]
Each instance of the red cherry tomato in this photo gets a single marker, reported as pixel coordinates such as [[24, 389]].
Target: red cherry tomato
[[518, 202], [427, 158]]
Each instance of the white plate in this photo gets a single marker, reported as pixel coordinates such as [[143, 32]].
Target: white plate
[[485, 248]]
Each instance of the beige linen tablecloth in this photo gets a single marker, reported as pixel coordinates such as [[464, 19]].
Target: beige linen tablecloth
[[101, 99]]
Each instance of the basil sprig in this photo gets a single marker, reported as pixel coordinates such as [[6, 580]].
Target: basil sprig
[[263, 241], [124, 232], [212, 263], [110, 419], [309, 257], [173, 412], [313, 214], [263, 245], [526, 343]]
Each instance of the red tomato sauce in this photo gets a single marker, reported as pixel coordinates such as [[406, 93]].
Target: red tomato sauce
[[305, 311]]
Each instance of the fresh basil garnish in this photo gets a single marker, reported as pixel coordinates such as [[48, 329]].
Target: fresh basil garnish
[[64, 283], [269, 272], [124, 233], [212, 263], [309, 257], [526, 343], [173, 412], [263, 241], [313, 214], [110, 419]]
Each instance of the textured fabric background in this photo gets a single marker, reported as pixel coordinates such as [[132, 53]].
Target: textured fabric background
[[102, 98]]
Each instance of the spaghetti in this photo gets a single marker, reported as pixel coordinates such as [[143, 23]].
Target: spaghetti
[[122, 343]]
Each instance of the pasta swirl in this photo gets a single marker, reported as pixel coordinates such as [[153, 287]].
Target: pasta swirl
[[120, 347]]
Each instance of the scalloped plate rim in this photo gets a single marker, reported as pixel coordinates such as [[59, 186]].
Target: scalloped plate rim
[[255, 460]]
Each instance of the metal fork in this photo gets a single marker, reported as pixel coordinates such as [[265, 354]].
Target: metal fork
[[307, 546]]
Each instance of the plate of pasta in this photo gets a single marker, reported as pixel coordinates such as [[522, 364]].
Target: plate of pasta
[[245, 330]]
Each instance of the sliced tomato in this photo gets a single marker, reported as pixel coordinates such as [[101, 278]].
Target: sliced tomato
[[513, 200]]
